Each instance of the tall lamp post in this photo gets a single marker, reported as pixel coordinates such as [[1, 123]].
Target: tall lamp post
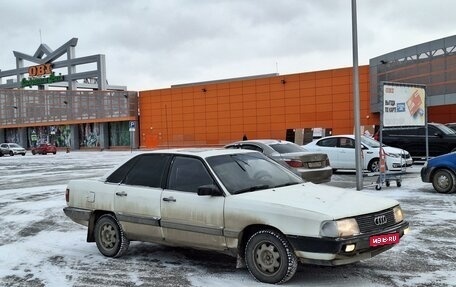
[[359, 176]]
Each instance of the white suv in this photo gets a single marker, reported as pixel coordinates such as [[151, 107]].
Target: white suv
[[11, 149]]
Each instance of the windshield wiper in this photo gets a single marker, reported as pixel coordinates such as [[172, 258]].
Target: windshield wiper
[[287, 184], [251, 188]]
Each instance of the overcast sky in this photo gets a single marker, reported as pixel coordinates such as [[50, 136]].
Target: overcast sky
[[152, 44]]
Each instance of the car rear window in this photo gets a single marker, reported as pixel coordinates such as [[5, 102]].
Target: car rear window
[[286, 147]]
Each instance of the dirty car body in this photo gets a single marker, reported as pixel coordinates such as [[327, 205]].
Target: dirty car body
[[237, 202]]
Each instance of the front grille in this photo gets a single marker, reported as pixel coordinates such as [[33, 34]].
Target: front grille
[[367, 224], [406, 156]]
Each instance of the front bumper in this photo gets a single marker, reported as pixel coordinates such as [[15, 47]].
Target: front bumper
[[426, 174], [331, 251], [397, 164]]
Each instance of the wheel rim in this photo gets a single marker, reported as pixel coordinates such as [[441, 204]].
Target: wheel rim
[[443, 181], [267, 258], [374, 166], [108, 236]]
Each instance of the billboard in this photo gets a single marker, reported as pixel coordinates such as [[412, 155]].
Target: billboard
[[404, 105]]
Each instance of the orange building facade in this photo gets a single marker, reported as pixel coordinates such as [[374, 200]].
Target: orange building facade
[[220, 112]]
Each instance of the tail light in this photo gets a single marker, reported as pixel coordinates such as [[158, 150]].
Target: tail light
[[67, 195], [294, 163]]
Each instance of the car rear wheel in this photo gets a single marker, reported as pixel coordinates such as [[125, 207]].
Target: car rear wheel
[[444, 181], [34, 152], [270, 258], [109, 236]]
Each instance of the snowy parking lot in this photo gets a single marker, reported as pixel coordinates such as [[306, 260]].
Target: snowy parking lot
[[40, 246]]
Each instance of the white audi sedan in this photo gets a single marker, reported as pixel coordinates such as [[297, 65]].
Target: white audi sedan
[[237, 202], [341, 152]]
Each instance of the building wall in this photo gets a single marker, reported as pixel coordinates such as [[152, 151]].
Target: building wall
[[218, 113]]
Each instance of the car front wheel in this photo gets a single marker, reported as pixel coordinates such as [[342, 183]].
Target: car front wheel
[[109, 236], [270, 258], [11, 153], [374, 165], [444, 181]]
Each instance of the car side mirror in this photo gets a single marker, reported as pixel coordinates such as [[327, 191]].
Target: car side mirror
[[438, 135], [209, 189]]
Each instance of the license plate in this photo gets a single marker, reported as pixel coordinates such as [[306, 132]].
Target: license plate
[[314, 164], [384, 239]]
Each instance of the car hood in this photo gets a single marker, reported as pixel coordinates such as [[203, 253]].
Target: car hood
[[334, 202]]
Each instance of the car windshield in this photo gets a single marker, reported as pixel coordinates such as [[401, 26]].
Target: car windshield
[[286, 147], [13, 145], [370, 142], [247, 172]]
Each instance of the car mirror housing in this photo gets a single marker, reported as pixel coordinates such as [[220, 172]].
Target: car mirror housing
[[209, 189]]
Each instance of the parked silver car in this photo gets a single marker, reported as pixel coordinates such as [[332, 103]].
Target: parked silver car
[[11, 149], [311, 166]]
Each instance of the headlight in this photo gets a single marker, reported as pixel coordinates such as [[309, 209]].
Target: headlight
[[396, 155], [339, 228], [398, 214]]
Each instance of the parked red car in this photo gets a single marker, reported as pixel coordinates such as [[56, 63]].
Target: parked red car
[[44, 149]]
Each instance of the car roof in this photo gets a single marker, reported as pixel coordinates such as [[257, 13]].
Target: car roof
[[262, 141], [338, 136], [201, 152]]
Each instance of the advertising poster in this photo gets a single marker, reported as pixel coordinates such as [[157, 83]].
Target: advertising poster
[[403, 105]]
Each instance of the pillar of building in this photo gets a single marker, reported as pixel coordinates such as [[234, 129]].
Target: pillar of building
[[2, 135], [104, 136], [74, 137], [22, 137]]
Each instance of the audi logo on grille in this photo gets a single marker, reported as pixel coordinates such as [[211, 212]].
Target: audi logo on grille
[[380, 220]]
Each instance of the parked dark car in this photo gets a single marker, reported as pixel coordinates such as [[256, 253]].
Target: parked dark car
[[11, 149], [311, 166], [442, 139], [44, 149], [451, 126], [441, 171]]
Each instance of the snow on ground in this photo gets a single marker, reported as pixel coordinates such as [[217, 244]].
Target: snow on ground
[[40, 246]]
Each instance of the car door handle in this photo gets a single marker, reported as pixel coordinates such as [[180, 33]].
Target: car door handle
[[122, 193], [169, 199], [370, 152]]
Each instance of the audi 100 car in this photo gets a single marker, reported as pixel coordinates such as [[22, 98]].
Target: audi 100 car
[[234, 201]]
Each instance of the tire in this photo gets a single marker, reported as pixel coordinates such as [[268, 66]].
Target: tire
[[387, 183], [33, 152], [444, 181], [378, 187], [11, 153], [109, 236], [374, 165], [398, 183], [270, 258], [23, 154]]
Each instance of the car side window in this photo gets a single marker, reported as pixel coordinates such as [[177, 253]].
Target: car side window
[[188, 174], [331, 142], [346, 143], [148, 170]]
